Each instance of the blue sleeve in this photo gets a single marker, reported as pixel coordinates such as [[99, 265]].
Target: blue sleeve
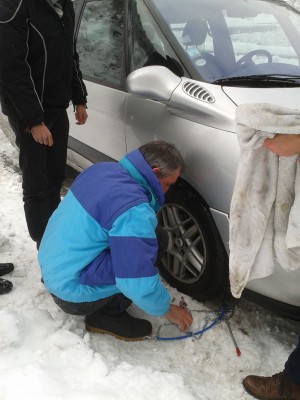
[[147, 293], [133, 248]]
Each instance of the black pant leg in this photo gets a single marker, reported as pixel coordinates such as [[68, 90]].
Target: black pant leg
[[113, 305], [56, 157], [32, 161], [43, 170], [292, 366], [81, 308]]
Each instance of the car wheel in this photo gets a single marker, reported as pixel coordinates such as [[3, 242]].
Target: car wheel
[[196, 262]]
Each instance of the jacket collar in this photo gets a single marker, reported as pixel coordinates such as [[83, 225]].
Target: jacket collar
[[140, 171]]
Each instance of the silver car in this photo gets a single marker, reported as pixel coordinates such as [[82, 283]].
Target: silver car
[[176, 70]]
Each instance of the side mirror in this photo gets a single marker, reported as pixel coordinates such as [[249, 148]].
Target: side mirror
[[153, 82]]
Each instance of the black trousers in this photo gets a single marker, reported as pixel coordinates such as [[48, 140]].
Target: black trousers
[[292, 366], [43, 169], [116, 303]]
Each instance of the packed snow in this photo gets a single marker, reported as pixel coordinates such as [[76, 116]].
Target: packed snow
[[46, 354]]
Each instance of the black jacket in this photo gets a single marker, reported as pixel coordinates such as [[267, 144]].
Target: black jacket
[[39, 69]]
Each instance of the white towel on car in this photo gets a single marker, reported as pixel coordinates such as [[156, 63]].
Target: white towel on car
[[265, 206]]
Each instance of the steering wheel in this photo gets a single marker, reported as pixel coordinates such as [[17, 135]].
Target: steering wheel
[[247, 58]]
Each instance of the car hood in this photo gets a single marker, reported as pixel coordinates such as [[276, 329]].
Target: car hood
[[285, 97]]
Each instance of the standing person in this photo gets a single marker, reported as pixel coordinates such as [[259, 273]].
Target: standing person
[[100, 247], [5, 285], [286, 384], [39, 76]]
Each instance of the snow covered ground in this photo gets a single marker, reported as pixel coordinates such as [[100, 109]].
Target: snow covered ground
[[46, 354]]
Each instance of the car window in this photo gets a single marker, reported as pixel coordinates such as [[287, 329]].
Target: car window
[[147, 44], [260, 33], [100, 43], [233, 38]]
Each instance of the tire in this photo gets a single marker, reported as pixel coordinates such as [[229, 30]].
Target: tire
[[196, 262]]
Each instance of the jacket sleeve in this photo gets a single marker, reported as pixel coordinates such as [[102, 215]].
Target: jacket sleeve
[[79, 91], [133, 248], [15, 74]]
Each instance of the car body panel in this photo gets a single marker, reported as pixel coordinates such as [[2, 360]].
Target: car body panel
[[205, 168], [108, 106], [281, 285]]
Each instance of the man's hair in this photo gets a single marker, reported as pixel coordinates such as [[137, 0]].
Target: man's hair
[[162, 155]]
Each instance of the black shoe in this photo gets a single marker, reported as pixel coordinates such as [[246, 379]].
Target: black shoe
[[5, 286], [6, 268], [122, 326]]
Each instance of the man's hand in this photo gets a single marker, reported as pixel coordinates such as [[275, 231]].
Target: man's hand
[[180, 317], [42, 135], [284, 145], [80, 114]]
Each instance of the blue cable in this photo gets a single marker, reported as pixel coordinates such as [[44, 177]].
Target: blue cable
[[219, 317]]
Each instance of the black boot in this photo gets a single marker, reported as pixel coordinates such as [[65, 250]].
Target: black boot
[[114, 320], [6, 268], [5, 286], [122, 326]]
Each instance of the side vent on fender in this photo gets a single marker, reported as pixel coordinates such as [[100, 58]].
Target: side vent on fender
[[198, 92]]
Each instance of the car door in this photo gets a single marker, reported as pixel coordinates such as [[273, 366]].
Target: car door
[[100, 49]]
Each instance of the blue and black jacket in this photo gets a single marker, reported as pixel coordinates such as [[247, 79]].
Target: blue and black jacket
[[101, 239]]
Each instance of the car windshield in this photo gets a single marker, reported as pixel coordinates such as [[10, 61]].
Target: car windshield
[[225, 39]]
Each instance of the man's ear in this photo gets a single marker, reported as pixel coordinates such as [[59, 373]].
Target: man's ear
[[156, 171]]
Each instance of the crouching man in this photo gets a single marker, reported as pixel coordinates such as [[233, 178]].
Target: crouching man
[[99, 250]]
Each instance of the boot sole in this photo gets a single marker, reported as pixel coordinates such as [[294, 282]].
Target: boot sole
[[92, 329]]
